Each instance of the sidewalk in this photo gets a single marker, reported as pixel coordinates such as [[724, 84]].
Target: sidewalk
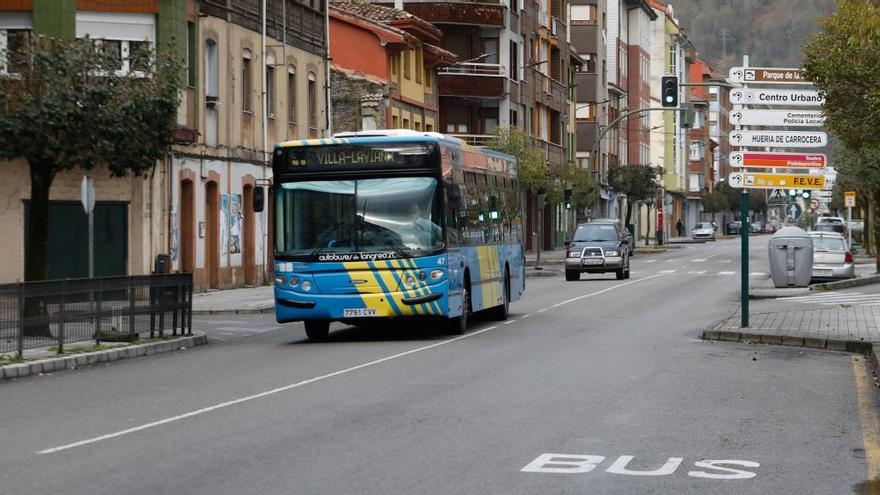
[[819, 323]]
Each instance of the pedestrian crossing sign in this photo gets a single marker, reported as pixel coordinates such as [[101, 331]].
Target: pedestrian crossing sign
[[777, 197]]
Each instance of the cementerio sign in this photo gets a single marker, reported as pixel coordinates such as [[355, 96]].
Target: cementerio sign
[[779, 139], [787, 118], [787, 97]]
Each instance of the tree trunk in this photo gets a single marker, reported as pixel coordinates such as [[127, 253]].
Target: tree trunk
[[37, 258]]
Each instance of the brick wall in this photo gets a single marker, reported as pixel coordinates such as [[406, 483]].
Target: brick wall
[[356, 100]]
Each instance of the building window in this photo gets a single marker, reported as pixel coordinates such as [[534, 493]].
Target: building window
[[211, 70], [429, 128], [418, 126], [247, 104], [395, 122], [407, 64], [291, 95], [419, 67], [490, 50], [589, 64], [585, 111], [406, 123], [582, 14], [514, 61], [428, 78], [395, 65], [191, 57], [270, 92], [13, 48], [313, 106]]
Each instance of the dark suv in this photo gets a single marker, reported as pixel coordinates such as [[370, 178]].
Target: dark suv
[[615, 221], [598, 247]]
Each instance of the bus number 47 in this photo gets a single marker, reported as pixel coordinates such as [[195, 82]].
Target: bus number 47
[[723, 469]]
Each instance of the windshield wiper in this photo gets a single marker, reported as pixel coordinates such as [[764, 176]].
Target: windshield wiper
[[313, 256]]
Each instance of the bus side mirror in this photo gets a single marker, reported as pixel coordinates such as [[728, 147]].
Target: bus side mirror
[[453, 196], [259, 199]]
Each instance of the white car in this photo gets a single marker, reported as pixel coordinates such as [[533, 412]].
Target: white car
[[832, 259], [703, 230], [832, 220]]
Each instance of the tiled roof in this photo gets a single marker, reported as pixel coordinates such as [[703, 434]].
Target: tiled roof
[[385, 15]]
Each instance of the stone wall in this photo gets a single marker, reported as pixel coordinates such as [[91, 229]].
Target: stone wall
[[358, 103]]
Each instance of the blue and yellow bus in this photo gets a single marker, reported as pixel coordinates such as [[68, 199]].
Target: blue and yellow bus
[[394, 224]]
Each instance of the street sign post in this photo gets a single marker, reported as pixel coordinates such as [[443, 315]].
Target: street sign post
[[787, 118], [87, 193], [849, 198], [748, 180], [788, 97], [767, 75], [777, 160], [793, 211], [779, 139]]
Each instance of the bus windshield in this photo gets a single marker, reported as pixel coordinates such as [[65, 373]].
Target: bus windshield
[[349, 219]]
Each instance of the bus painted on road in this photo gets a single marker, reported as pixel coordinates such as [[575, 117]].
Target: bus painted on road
[[394, 224]]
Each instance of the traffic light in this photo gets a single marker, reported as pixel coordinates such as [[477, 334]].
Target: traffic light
[[669, 90], [806, 194], [567, 199]]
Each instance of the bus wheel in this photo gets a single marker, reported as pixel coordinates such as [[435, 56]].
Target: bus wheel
[[317, 329], [500, 313], [458, 325]]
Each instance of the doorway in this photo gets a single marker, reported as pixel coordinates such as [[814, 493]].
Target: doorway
[[212, 234], [187, 236], [248, 235]]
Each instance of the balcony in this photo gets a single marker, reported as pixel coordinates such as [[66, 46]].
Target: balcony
[[475, 139], [482, 13], [472, 79]]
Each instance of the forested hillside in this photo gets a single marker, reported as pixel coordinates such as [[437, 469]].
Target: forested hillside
[[772, 32]]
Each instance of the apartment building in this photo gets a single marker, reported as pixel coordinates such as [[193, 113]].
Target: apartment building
[[701, 172], [130, 226], [389, 81], [628, 56]]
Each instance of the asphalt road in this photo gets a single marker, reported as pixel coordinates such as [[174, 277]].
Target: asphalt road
[[596, 386]]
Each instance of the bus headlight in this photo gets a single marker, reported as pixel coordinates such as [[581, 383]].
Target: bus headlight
[[306, 285], [409, 282], [293, 281], [280, 279], [436, 274]]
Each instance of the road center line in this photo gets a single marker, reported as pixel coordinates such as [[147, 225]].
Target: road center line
[[591, 294], [259, 395]]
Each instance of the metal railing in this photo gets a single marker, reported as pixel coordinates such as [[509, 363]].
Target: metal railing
[[476, 139], [473, 69], [58, 312]]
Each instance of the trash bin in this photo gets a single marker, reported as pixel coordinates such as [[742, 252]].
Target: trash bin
[[791, 257]]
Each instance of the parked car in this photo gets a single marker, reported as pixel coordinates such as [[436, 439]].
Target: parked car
[[597, 247], [755, 227], [832, 259], [832, 220], [703, 230], [615, 221], [836, 228], [734, 227]]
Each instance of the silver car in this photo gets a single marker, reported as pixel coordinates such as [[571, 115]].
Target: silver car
[[703, 230], [832, 259]]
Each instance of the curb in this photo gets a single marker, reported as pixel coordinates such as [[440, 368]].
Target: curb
[[845, 284], [858, 347], [209, 312], [49, 365]]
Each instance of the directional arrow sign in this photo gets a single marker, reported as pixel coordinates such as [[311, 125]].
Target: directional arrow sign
[[788, 118], [777, 160], [779, 139], [767, 75], [793, 211], [788, 97], [770, 181]]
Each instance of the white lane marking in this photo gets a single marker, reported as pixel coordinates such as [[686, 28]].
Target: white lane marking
[[260, 395], [591, 294], [725, 261], [759, 274], [670, 261], [526, 316], [699, 260], [541, 310], [696, 272], [726, 273], [509, 322], [649, 261], [667, 271]]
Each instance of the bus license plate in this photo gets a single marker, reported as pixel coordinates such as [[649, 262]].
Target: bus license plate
[[594, 261], [359, 312]]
